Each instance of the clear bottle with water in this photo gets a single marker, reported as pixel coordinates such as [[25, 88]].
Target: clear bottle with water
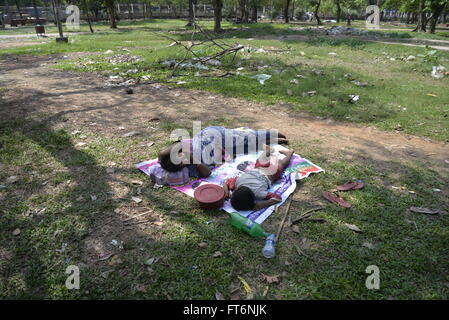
[[268, 250]]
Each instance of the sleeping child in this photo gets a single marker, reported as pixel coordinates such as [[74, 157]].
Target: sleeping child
[[250, 190]]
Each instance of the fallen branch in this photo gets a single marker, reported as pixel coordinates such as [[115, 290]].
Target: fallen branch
[[307, 214], [281, 226]]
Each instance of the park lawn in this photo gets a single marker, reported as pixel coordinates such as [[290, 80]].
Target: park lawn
[[400, 95], [57, 175]]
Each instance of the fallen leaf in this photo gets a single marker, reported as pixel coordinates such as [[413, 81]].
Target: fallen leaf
[[245, 286], [202, 245], [105, 274], [265, 291], [368, 245], [16, 232], [141, 288], [271, 279], [104, 257], [423, 210], [295, 228], [115, 260], [353, 227], [219, 296], [217, 254]]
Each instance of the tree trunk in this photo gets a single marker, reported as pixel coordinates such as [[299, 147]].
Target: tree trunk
[[254, 13], [111, 13], [218, 5], [317, 8], [337, 2], [18, 9], [190, 23], [286, 15], [244, 11], [421, 18], [87, 16], [143, 11], [36, 12], [437, 10]]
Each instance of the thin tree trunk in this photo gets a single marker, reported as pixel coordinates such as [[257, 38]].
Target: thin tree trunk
[[190, 23], [286, 15], [111, 13], [421, 18], [438, 9], [36, 12], [218, 6], [338, 10], [254, 13], [317, 8], [18, 9], [88, 16]]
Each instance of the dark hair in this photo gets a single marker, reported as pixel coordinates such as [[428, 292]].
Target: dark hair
[[243, 199], [165, 162]]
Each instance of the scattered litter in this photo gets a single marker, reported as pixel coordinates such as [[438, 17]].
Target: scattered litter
[[436, 190], [438, 72], [150, 261], [352, 227], [75, 132], [368, 245], [80, 144], [294, 81], [108, 51], [202, 245], [423, 210], [16, 232], [302, 53], [131, 134], [136, 199], [217, 254], [353, 98], [261, 77], [240, 69], [146, 77], [349, 76], [132, 71], [359, 84], [431, 95], [124, 58], [12, 179], [332, 54], [214, 62], [93, 198], [219, 296], [311, 93], [181, 82], [289, 92], [63, 247], [410, 58]]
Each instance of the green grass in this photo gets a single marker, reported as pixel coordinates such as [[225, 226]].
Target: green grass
[[55, 175], [412, 260], [396, 97]]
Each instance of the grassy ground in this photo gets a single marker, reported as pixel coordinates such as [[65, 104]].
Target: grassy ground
[[400, 95], [55, 174]]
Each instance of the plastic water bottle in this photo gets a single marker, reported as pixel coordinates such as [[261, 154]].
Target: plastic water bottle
[[269, 250], [246, 225]]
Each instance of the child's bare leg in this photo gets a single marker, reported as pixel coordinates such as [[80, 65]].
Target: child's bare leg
[[283, 163]]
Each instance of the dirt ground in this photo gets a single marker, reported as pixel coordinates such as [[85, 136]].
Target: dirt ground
[[34, 88]]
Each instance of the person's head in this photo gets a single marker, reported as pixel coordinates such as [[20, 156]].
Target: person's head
[[166, 163], [243, 199]]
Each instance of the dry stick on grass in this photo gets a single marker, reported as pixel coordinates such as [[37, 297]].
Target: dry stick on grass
[[283, 221], [136, 216], [307, 214]]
